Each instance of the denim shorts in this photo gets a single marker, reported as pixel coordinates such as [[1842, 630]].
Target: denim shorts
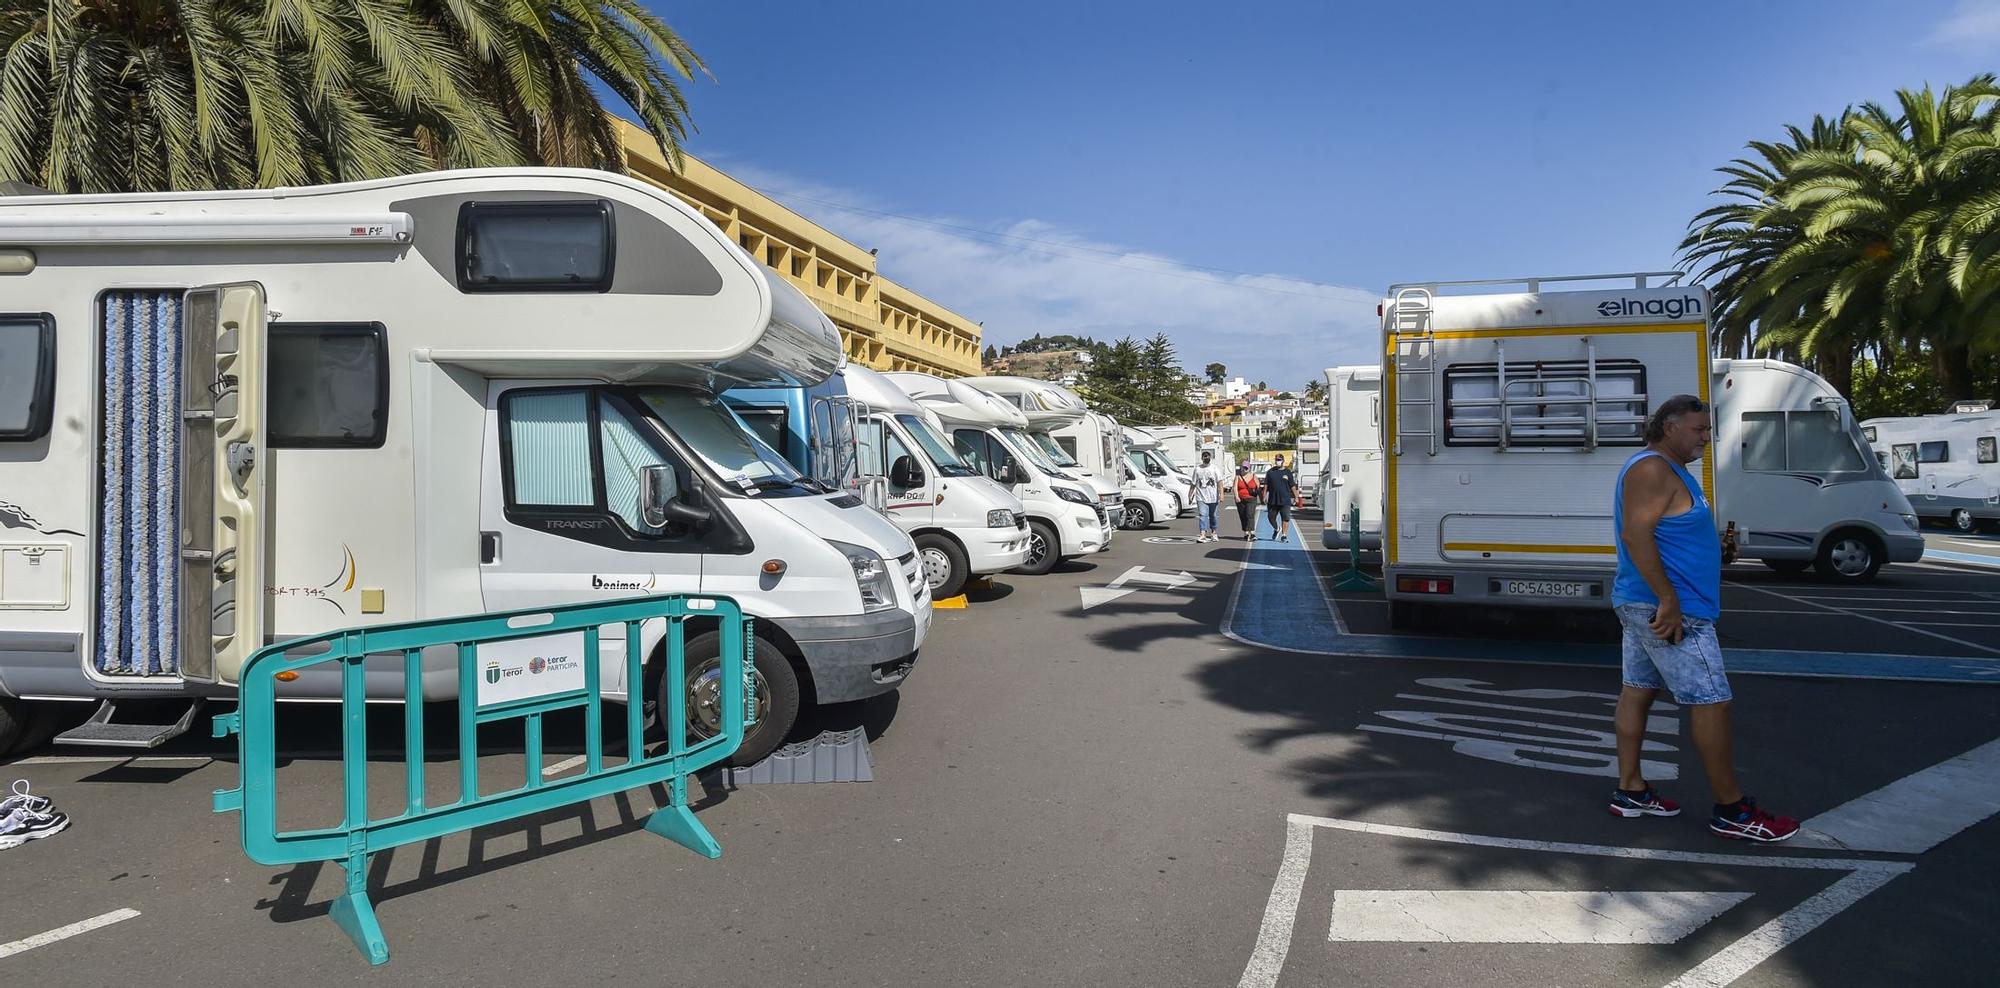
[[1691, 670], [1205, 514]]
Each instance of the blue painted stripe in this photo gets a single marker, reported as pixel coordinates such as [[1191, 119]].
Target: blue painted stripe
[[1969, 558], [1279, 603]]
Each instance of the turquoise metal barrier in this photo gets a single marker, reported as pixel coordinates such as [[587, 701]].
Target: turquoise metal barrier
[[536, 662]]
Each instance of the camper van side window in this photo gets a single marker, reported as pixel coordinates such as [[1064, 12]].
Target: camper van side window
[[536, 246], [1543, 404], [1763, 441], [27, 376], [1933, 452], [1904, 456], [329, 386], [1989, 449]]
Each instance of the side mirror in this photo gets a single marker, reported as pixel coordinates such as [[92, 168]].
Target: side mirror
[[663, 501], [905, 475], [1009, 474]]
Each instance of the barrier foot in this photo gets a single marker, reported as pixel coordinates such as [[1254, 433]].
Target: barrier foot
[[677, 824], [356, 917]]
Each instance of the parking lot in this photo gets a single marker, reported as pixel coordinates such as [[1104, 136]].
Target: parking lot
[[1167, 764]]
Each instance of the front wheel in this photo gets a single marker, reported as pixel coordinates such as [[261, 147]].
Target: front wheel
[[1138, 516], [777, 706], [1044, 547], [944, 563], [1849, 556], [1962, 520]]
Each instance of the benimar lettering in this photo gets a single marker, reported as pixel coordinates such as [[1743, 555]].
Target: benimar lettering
[[1672, 308]]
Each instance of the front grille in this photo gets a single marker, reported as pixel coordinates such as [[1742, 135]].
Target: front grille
[[1102, 518]]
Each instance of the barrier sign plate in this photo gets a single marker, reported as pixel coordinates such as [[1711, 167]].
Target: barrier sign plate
[[526, 668]]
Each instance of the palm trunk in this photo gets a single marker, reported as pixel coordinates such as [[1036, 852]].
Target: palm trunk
[[1837, 366], [1954, 371]]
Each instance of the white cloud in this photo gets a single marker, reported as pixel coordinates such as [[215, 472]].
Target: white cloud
[[1033, 276], [1973, 24]]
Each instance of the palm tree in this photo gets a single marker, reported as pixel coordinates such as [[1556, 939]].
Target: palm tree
[[1876, 233], [111, 95]]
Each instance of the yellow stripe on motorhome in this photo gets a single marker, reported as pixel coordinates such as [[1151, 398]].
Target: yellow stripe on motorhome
[[1389, 426], [1503, 333], [1585, 550]]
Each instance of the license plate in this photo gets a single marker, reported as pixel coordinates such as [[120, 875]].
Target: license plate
[[1543, 588]]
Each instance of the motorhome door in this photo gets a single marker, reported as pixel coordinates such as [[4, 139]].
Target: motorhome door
[[224, 545], [912, 494]]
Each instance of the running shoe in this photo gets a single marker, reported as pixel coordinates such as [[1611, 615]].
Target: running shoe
[[1647, 803], [23, 799], [1747, 822], [24, 825]]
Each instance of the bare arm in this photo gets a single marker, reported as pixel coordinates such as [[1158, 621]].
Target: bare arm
[[1649, 491]]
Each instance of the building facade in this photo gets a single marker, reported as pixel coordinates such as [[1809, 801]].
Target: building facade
[[885, 326]]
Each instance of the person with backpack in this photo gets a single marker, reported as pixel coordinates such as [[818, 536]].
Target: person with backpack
[[1247, 493]]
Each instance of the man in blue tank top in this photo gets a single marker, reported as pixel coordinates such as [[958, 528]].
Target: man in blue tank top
[[1668, 593]]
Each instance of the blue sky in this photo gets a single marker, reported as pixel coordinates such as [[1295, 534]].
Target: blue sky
[[1246, 179]]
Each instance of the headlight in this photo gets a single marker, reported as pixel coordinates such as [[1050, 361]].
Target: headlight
[[1071, 494], [1910, 520], [1000, 518], [871, 576]]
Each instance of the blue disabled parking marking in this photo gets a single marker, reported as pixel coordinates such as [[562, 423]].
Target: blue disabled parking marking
[[1968, 558], [1279, 603]]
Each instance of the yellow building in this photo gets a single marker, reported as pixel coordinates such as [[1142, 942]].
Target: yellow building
[[886, 326]]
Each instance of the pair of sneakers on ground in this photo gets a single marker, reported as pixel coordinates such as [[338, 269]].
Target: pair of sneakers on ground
[[25, 816], [1741, 820]]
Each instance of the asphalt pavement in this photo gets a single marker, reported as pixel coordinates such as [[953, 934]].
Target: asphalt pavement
[[1134, 792]]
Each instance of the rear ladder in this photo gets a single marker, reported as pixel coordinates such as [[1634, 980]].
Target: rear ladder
[[1412, 347]]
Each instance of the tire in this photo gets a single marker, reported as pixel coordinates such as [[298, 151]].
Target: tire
[[1849, 556], [1044, 548], [1962, 520], [13, 722], [1138, 516], [777, 697], [944, 563], [1788, 567]]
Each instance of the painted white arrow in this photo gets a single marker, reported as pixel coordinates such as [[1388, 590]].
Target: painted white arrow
[[1093, 596], [1139, 574], [1523, 917]]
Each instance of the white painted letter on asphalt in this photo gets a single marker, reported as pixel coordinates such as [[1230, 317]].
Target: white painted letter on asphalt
[[1481, 916]]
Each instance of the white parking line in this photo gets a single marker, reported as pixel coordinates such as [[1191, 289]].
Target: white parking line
[[1916, 812], [564, 765], [1274, 935], [1866, 617], [61, 933]]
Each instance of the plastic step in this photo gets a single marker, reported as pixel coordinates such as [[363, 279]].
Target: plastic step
[[832, 756], [104, 729]]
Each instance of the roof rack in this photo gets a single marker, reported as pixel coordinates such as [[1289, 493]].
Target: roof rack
[[1639, 279]]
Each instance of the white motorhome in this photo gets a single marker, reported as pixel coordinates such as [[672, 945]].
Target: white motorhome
[[1086, 445], [1509, 409], [961, 521], [1796, 477], [277, 413], [1180, 444], [1066, 518], [1147, 499], [1308, 466], [1948, 465], [1150, 458], [1352, 478]]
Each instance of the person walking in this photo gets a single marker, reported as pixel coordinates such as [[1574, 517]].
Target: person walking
[[1246, 490], [1207, 499], [1668, 595], [1281, 495]]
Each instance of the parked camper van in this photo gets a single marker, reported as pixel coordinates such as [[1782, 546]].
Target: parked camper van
[[1948, 465], [1065, 517], [1308, 465], [813, 428], [1084, 444], [1795, 475], [1509, 409], [1352, 478], [1147, 499], [280, 413], [1180, 445], [963, 523], [1150, 458]]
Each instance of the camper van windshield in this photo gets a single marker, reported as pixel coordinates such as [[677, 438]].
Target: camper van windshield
[[1025, 447], [1047, 444], [1144, 464], [723, 442], [942, 455]]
